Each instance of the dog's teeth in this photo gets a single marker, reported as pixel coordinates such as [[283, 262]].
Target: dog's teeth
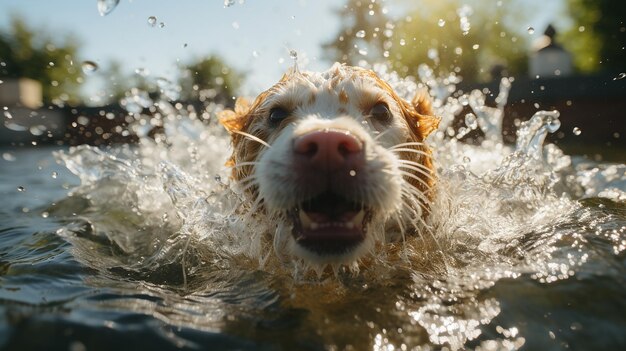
[[304, 219], [357, 221]]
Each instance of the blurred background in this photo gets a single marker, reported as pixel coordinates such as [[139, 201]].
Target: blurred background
[[73, 72]]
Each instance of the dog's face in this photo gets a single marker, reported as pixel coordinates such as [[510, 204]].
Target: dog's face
[[337, 159]]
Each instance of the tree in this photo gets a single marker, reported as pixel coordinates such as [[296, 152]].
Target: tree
[[455, 38], [363, 35], [597, 38], [432, 34], [54, 64], [210, 79], [118, 83]]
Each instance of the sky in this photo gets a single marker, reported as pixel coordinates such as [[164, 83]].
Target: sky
[[254, 36]]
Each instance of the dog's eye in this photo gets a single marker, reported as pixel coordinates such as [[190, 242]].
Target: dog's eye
[[277, 115], [381, 112]]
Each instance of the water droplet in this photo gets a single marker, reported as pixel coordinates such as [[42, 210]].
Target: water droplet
[[89, 67], [152, 21], [402, 42], [441, 22], [471, 121], [37, 130], [293, 54], [530, 30], [360, 34], [169, 89], [433, 54], [54, 175], [475, 46], [467, 159], [363, 52], [352, 172], [21, 189], [255, 53], [14, 126], [7, 156], [620, 76], [464, 12], [576, 131], [106, 6], [142, 72], [162, 24], [135, 101], [184, 45], [8, 115], [228, 3]]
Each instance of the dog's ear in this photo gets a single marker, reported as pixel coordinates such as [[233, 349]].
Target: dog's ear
[[426, 122], [235, 120]]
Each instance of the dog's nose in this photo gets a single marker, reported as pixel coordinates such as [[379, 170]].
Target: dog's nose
[[329, 149]]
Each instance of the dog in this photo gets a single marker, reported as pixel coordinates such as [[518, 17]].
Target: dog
[[337, 160]]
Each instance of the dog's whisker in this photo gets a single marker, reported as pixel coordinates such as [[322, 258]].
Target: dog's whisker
[[413, 143], [242, 164], [413, 208], [419, 199], [418, 170], [252, 184], [413, 176], [248, 179], [403, 235], [413, 163], [419, 152], [252, 137], [381, 134]]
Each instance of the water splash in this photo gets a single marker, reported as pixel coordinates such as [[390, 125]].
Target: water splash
[[501, 212], [168, 88], [464, 12], [532, 133]]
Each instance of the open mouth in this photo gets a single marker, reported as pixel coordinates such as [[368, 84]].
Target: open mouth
[[329, 224]]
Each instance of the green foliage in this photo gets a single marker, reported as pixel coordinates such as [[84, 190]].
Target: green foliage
[[210, 79], [597, 38], [368, 20], [28, 53], [407, 42], [117, 83], [206, 79], [435, 37]]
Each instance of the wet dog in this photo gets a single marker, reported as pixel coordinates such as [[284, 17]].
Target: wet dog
[[336, 159]]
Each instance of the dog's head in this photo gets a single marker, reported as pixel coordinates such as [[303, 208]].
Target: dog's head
[[336, 158]]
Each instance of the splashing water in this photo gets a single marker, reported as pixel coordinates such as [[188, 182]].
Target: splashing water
[[464, 12], [505, 223]]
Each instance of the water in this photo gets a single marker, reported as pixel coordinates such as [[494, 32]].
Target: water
[[142, 246], [106, 6]]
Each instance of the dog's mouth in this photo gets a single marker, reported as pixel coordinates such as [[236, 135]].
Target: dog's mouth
[[329, 224]]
